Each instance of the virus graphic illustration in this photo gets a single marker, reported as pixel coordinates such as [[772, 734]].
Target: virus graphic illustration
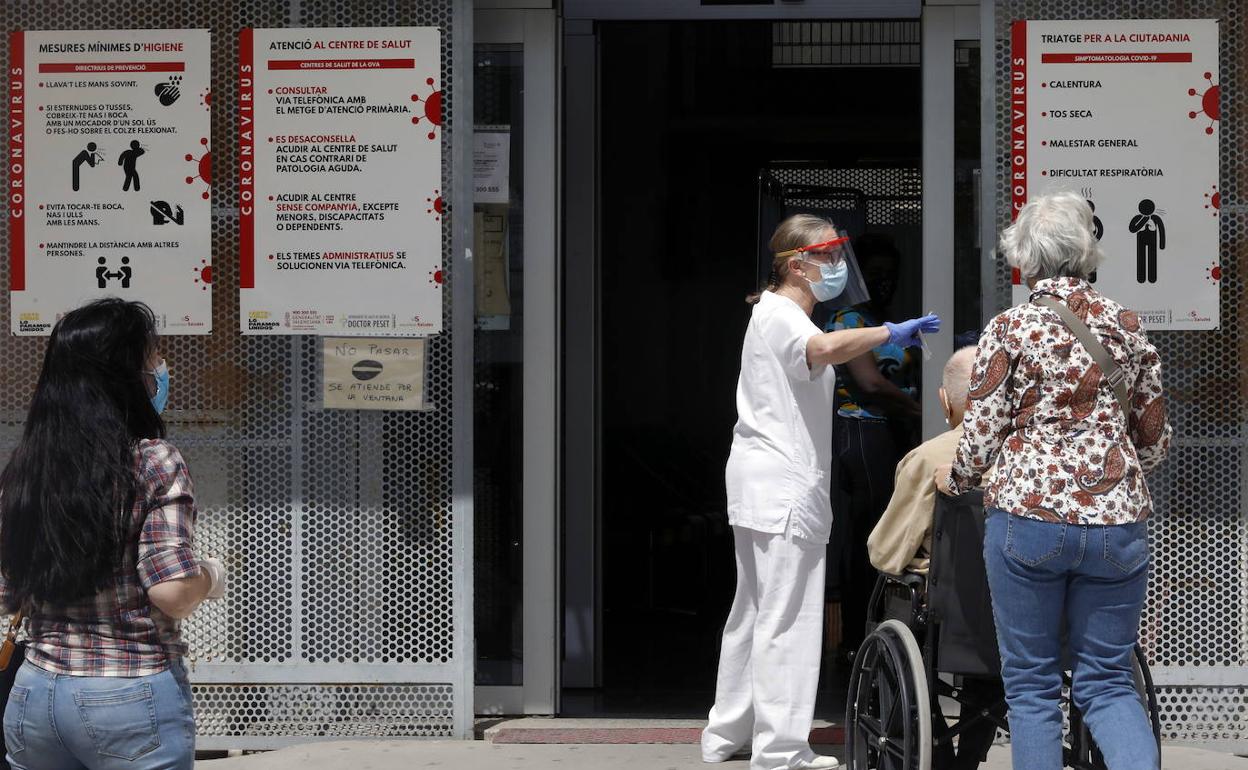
[[203, 274], [1213, 200], [435, 277], [433, 109], [204, 170], [1213, 273], [205, 98], [436, 206], [1208, 102]]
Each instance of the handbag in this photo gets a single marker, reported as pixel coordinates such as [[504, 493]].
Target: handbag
[[1112, 372], [12, 654]]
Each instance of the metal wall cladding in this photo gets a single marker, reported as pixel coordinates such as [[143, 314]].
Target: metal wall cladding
[[348, 711], [894, 195], [336, 526], [1195, 625]]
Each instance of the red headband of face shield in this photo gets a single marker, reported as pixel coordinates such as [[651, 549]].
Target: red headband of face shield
[[814, 247]]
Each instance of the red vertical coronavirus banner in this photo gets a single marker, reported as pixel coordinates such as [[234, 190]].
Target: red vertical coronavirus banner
[[246, 164], [1018, 123], [17, 161]]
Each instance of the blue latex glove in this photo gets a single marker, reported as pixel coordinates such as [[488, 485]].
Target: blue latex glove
[[906, 333]]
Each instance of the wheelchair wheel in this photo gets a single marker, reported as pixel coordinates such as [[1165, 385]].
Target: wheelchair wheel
[[889, 711], [1081, 752]]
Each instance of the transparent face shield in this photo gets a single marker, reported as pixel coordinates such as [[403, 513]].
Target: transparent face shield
[[839, 248]]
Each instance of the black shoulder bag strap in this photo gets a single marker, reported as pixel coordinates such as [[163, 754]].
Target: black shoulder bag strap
[[1113, 374]]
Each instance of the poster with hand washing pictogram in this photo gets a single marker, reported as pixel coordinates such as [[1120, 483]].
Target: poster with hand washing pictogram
[[340, 181], [1126, 113], [109, 174]]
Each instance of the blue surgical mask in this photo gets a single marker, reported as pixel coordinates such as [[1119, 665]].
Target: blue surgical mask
[[161, 396], [831, 281]]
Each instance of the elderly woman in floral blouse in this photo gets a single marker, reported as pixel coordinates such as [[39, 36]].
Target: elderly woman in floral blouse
[[1066, 545]]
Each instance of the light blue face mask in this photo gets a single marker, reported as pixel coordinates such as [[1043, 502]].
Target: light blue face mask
[[161, 396], [831, 281]]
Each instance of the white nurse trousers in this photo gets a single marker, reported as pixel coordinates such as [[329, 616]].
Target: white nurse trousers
[[769, 661]]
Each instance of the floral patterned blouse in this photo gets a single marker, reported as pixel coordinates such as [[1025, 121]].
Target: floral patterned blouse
[[1040, 409]]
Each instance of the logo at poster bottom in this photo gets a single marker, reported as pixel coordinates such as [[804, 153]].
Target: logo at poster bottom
[[366, 370]]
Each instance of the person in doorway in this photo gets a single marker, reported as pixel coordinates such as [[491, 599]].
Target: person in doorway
[[902, 542], [876, 418], [778, 501], [96, 521], [1066, 546]]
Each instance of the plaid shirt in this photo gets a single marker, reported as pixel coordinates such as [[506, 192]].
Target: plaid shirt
[[119, 632]]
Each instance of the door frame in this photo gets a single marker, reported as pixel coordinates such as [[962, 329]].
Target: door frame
[[537, 31], [943, 26]]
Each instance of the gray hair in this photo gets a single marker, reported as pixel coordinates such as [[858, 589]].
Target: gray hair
[[1052, 237], [956, 378]]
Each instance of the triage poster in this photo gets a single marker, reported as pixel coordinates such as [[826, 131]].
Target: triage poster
[[340, 176], [1127, 114], [109, 172]]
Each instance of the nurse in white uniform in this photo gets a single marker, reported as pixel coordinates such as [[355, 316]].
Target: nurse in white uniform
[[778, 501]]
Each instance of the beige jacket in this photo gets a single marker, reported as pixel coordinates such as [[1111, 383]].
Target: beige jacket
[[902, 540]]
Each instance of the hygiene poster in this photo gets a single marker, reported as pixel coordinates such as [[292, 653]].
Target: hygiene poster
[[340, 170], [1127, 114], [109, 173]]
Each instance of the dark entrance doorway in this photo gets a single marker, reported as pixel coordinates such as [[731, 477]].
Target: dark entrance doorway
[[690, 113]]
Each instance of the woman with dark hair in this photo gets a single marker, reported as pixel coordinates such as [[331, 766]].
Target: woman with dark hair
[[96, 521]]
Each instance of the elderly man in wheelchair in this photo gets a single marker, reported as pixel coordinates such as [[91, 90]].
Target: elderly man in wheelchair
[[925, 691]]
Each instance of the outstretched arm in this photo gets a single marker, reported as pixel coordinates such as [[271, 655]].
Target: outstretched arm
[[838, 347]]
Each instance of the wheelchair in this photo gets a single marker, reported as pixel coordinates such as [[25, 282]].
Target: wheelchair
[[931, 643]]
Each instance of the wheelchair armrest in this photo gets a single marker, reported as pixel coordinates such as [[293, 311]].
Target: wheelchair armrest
[[908, 579], [914, 584]]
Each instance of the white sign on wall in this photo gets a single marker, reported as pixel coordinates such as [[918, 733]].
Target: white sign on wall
[[373, 373], [491, 164], [340, 171], [1126, 113], [109, 172]]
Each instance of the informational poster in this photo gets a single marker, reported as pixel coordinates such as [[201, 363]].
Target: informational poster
[[109, 173], [491, 164], [340, 175], [493, 289], [1126, 113], [374, 373]]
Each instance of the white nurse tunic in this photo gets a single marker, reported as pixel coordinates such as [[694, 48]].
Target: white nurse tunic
[[778, 503]]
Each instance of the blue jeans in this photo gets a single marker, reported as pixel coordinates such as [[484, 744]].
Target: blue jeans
[[1090, 580], [58, 722]]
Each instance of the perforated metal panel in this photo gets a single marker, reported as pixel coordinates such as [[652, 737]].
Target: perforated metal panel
[[1195, 626], [337, 527], [894, 195], [348, 711], [891, 43]]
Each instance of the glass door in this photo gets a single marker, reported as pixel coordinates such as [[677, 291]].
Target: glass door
[[515, 363], [952, 247]]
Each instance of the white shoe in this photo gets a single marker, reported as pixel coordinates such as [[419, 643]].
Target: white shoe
[[821, 762], [736, 755]]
